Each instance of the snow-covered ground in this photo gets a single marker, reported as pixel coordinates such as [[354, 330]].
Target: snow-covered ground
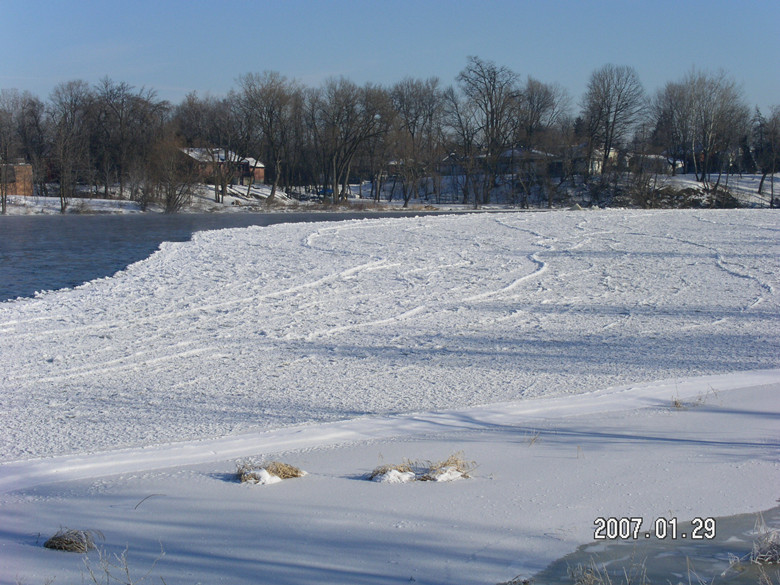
[[743, 187], [244, 199], [237, 200], [591, 363]]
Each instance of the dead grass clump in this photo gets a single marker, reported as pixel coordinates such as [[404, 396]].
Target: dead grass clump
[[766, 552], [533, 437], [701, 399], [454, 464], [283, 470], [79, 541], [635, 574], [251, 472], [405, 467], [454, 467], [766, 547], [246, 472]]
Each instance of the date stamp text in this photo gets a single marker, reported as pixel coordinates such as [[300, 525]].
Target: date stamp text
[[635, 528]]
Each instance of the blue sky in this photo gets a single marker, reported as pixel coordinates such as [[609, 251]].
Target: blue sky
[[179, 46]]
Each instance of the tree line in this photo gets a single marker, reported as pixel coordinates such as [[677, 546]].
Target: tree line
[[491, 134]]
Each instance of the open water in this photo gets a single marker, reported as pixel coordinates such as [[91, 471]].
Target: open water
[[49, 252], [724, 560]]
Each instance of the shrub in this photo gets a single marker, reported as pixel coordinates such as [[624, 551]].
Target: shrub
[[251, 472], [405, 467], [454, 467], [79, 541], [283, 470]]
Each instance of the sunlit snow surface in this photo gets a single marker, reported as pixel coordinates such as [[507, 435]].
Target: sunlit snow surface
[[249, 329], [126, 404]]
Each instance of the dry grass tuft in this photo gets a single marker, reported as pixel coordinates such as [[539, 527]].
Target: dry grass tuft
[[766, 547], [283, 470], [534, 437], [635, 574], [79, 541], [701, 399], [454, 466], [249, 471], [405, 467], [766, 552], [455, 461], [246, 472]]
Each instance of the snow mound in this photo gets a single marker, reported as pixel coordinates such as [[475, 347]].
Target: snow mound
[[394, 476], [449, 473], [266, 474], [263, 477]]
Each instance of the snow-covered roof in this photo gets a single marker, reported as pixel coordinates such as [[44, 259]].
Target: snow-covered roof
[[210, 155], [525, 153]]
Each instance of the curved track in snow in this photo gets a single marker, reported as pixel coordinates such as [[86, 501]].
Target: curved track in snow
[[246, 330]]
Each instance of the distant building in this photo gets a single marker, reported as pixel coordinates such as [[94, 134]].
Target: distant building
[[17, 179], [243, 169]]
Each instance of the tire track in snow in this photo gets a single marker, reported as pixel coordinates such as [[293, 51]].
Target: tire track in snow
[[205, 305], [136, 361], [541, 267], [358, 299], [356, 326], [141, 359], [725, 266]]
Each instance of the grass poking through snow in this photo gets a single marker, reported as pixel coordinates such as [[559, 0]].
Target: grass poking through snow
[[454, 467], [251, 472], [79, 541]]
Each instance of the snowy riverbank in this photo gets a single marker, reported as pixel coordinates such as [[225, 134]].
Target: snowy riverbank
[[549, 348]]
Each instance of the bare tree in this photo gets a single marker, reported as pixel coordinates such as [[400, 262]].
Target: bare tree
[[270, 101], [191, 119], [462, 121], [611, 107], [720, 119], [34, 143], [766, 145], [418, 107], [127, 123], [540, 108], [674, 126], [701, 120], [220, 131], [172, 176], [492, 91], [342, 118], [9, 105], [68, 107]]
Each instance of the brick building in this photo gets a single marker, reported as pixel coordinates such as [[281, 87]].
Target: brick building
[[18, 178]]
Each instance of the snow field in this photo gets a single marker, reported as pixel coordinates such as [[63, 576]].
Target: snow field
[[547, 469], [550, 348], [251, 329]]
